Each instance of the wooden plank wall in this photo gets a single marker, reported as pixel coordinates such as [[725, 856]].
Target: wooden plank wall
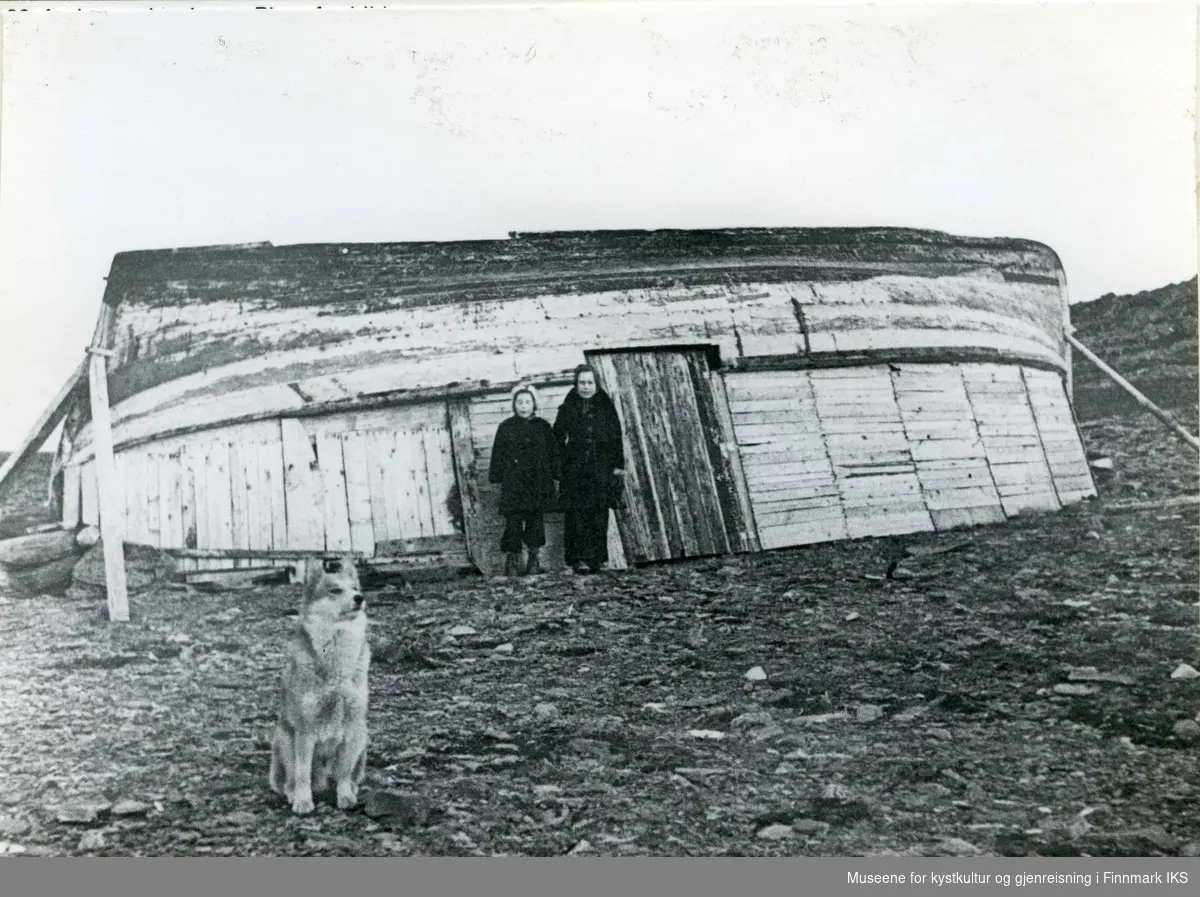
[[486, 413], [876, 474], [1010, 436], [793, 490], [877, 451], [826, 455], [1065, 453], [944, 440]]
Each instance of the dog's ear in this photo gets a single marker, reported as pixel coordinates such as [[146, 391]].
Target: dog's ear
[[349, 567], [316, 571]]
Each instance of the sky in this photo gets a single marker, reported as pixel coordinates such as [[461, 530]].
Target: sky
[[125, 128]]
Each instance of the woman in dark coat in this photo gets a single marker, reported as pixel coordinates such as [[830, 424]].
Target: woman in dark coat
[[525, 464], [592, 453]]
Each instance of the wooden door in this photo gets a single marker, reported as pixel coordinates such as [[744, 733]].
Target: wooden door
[[683, 492]]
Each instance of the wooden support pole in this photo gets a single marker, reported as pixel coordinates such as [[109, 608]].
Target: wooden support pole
[[1137, 396], [111, 523]]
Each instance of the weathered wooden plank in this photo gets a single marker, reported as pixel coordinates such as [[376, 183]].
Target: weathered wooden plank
[[846, 428], [335, 508], [417, 468], [1016, 504], [657, 384], [749, 403], [1019, 487], [444, 544], [772, 449], [1007, 474], [197, 477], [302, 489], [440, 476], [112, 530], [358, 492], [785, 475], [776, 430], [844, 461], [802, 533], [720, 440], [800, 515], [400, 417], [378, 443], [89, 494], [1061, 443], [403, 512], [793, 415], [399, 506], [881, 488], [644, 532], [143, 471], [742, 393], [882, 523], [962, 497], [187, 500], [124, 495], [167, 516], [175, 534], [239, 525], [72, 495], [941, 450], [154, 498], [1030, 455], [466, 473], [219, 493], [131, 466], [271, 471], [955, 518], [1009, 435], [823, 493], [936, 480], [250, 504], [1080, 483]]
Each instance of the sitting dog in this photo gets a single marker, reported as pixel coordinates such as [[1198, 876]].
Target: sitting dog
[[321, 731]]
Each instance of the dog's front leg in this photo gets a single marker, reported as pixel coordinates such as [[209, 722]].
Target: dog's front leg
[[351, 765], [305, 743]]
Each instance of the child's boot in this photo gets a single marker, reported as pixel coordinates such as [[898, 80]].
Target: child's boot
[[512, 566]]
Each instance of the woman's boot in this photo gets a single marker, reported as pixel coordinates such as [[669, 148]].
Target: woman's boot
[[533, 566]]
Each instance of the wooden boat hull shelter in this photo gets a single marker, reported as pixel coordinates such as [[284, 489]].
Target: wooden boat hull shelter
[[776, 388]]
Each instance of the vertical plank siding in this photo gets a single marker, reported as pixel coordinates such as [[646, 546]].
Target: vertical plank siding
[[877, 451], [717, 462], [1010, 436], [947, 449], [789, 474], [864, 434], [1065, 454]]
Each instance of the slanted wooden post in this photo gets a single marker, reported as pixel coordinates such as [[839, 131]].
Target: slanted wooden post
[[51, 418], [1138, 397], [111, 523]]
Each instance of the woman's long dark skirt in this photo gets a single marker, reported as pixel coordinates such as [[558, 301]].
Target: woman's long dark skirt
[[585, 536]]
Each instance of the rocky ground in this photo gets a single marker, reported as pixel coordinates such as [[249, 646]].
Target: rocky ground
[[1018, 689]]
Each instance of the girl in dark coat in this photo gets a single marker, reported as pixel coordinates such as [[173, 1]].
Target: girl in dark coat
[[525, 464], [592, 453]]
